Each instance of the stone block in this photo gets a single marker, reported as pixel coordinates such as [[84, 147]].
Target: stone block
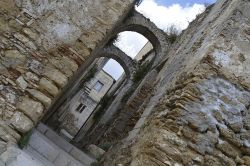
[[96, 151], [47, 85], [82, 49], [21, 122], [227, 149], [21, 82], [35, 66], [56, 76], [247, 160], [5, 136], [81, 156], [21, 37], [31, 76], [57, 62], [10, 131], [31, 108], [69, 63], [25, 41], [9, 95], [40, 96], [231, 136], [13, 58], [30, 33]]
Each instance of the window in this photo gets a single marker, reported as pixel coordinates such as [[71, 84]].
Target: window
[[80, 107], [98, 86]]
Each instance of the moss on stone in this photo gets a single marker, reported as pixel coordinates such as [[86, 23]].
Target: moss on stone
[[23, 142]]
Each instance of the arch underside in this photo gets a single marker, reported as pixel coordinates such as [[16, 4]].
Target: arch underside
[[140, 24], [128, 64]]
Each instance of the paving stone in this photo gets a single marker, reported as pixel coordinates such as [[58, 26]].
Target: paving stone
[[82, 157], [44, 146]]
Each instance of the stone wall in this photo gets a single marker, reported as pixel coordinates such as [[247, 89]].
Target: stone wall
[[200, 108], [43, 44]]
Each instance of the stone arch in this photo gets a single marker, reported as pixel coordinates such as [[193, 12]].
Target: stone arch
[[136, 22], [128, 64]]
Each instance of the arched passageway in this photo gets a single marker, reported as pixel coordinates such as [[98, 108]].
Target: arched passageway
[[136, 22], [127, 63], [86, 94]]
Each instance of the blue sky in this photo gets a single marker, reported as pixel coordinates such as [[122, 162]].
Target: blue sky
[[163, 13], [183, 2]]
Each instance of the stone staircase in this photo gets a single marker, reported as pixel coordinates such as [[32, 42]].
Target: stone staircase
[[51, 150]]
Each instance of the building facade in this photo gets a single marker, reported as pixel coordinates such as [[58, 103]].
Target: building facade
[[76, 112]]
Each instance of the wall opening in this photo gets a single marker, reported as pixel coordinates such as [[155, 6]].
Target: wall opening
[[134, 45], [74, 113]]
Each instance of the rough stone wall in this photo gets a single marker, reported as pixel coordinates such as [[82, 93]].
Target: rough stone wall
[[200, 108], [43, 43]]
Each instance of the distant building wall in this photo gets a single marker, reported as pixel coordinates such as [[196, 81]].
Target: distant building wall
[[146, 48], [82, 105], [105, 79]]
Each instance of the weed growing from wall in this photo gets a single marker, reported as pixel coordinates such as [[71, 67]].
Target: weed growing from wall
[[142, 71], [113, 40], [105, 101], [173, 33], [89, 75]]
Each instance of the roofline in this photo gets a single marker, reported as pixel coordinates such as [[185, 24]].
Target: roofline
[[108, 74]]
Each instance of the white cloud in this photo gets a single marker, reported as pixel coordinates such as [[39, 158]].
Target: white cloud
[[114, 69], [131, 43], [175, 14]]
